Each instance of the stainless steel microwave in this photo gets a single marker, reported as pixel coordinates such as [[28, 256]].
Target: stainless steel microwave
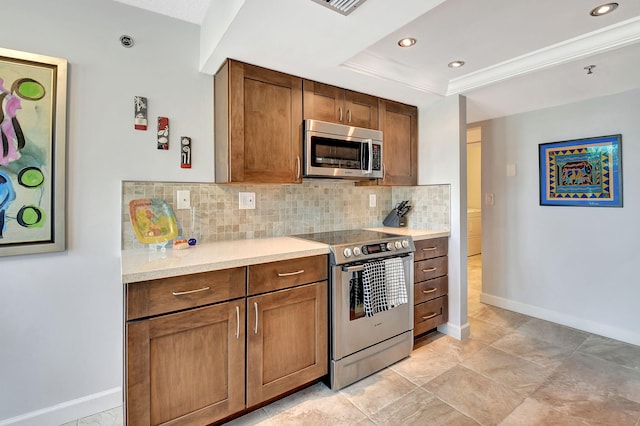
[[339, 151]]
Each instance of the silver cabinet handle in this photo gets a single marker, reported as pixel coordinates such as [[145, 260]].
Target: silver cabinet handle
[[431, 290], [299, 167], [340, 109], [288, 274], [237, 322], [431, 315], [429, 248], [255, 308], [429, 269], [348, 116], [182, 293]]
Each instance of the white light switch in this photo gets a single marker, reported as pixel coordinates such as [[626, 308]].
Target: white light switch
[[246, 200], [372, 200], [488, 199], [183, 199]]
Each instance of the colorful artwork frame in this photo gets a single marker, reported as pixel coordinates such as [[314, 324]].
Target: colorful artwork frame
[[33, 90], [581, 172]]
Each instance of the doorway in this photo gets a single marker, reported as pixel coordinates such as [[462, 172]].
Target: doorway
[[474, 216]]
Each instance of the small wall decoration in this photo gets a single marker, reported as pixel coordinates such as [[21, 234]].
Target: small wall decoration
[[163, 133], [140, 113], [581, 172], [33, 96], [185, 152]]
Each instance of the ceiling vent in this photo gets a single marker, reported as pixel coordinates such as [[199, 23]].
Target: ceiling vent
[[344, 7]]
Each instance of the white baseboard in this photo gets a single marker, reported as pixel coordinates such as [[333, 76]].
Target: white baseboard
[[563, 319], [455, 331], [70, 410]]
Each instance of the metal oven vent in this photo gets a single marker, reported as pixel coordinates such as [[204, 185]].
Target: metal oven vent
[[344, 7]]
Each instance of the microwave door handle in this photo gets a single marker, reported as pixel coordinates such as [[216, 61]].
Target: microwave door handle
[[369, 169]]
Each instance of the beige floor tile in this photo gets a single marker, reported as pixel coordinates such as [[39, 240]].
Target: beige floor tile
[[474, 395], [500, 317], [375, 392], [113, 417], [313, 406], [612, 350], [556, 334], [593, 389], [517, 373], [454, 349], [255, 418], [423, 366], [420, 408], [532, 412], [486, 332], [535, 350]]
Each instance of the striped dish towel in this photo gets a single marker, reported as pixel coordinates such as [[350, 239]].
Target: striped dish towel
[[374, 288], [396, 286]]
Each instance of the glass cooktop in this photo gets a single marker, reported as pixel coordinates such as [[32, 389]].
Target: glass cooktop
[[351, 236]]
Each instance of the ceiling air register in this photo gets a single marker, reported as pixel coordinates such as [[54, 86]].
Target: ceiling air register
[[344, 7]]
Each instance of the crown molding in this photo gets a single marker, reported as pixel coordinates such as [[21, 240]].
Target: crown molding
[[599, 41]]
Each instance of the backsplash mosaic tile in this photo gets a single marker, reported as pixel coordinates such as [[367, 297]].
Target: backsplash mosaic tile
[[313, 206]]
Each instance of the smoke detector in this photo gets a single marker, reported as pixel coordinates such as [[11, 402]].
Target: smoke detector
[[343, 7]]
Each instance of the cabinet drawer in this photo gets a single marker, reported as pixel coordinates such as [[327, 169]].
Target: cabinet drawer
[[164, 295], [430, 268], [430, 289], [272, 276], [429, 315], [434, 247]]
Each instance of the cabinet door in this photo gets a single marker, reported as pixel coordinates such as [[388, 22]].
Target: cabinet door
[[361, 110], [399, 124], [323, 102], [265, 125], [287, 340], [186, 367]]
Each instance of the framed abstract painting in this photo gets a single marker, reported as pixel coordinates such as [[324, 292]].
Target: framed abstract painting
[[581, 172], [33, 96]]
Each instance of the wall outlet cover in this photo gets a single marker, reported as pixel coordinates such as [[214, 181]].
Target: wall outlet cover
[[183, 198], [246, 200]]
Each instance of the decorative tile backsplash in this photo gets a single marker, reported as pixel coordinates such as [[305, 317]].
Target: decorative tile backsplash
[[313, 206]]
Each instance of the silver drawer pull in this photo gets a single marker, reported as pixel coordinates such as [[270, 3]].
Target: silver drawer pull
[[182, 293], [429, 269], [431, 290], [288, 274], [431, 315], [429, 248]]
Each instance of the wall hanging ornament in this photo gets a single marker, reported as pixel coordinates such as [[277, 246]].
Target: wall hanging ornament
[[140, 113], [185, 152], [163, 133]]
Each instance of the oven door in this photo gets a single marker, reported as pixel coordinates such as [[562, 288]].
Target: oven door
[[352, 329]]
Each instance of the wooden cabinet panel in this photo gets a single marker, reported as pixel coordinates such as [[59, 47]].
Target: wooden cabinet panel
[[258, 121], [430, 289], [329, 103], [430, 268], [399, 125], [186, 367], [287, 340], [429, 315], [165, 295], [434, 247], [272, 276]]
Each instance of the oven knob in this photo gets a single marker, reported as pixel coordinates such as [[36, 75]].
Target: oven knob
[[357, 251], [398, 245], [405, 243], [389, 246], [347, 252]]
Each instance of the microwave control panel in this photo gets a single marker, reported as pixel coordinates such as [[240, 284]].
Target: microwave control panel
[[377, 154]]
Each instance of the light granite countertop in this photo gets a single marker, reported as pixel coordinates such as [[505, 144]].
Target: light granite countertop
[[142, 264]]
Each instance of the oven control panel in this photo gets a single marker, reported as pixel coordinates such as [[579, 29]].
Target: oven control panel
[[372, 250]]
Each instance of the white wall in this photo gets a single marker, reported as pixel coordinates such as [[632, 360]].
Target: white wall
[[573, 265], [61, 314], [442, 157]]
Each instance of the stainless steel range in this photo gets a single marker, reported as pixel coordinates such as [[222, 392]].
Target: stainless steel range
[[371, 302]]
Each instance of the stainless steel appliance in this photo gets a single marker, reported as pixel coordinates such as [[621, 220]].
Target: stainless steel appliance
[[339, 151], [359, 344]]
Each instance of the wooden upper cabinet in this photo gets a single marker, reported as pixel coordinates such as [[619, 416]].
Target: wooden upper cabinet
[[258, 125], [399, 125], [329, 103]]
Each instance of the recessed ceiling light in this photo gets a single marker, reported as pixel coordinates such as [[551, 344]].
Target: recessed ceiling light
[[407, 42], [603, 9], [456, 64]]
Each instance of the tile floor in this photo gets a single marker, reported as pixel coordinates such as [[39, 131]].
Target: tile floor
[[514, 370]]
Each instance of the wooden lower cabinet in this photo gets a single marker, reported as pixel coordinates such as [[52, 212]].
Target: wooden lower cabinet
[[431, 307], [287, 338], [187, 367]]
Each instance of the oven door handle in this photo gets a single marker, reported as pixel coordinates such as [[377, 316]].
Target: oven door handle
[[356, 268]]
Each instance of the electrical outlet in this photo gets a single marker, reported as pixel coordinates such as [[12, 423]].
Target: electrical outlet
[[183, 199], [372, 200], [247, 200]]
